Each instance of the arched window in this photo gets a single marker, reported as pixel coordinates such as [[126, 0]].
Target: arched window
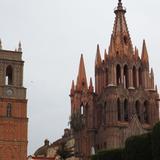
[[126, 110], [9, 76], [9, 110], [118, 74], [119, 109], [137, 107], [140, 76], [104, 113], [82, 110], [134, 77], [125, 40], [125, 76], [145, 112], [106, 76]]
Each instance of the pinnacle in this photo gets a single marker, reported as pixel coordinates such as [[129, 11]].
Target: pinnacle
[[91, 85], [19, 47], [111, 47], [72, 88], [144, 57], [136, 54], [105, 55], [81, 78], [98, 57]]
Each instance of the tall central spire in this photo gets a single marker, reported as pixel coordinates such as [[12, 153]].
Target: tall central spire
[[121, 40]]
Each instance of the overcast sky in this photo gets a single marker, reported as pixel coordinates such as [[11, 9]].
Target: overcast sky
[[53, 34]]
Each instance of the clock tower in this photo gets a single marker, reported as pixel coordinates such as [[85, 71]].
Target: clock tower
[[13, 106]]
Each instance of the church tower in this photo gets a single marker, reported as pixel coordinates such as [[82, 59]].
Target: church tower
[[13, 106], [125, 100]]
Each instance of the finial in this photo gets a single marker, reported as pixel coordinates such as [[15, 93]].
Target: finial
[[0, 44], [119, 7], [19, 47]]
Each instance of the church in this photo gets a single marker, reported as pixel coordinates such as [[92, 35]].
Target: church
[[124, 100]]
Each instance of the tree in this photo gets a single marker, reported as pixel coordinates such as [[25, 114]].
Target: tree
[[156, 142]]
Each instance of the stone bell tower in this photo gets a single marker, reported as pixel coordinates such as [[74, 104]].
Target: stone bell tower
[[13, 106]]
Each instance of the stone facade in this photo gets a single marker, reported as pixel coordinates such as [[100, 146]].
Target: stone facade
[[64, 145], [13, 106], [125, 100]]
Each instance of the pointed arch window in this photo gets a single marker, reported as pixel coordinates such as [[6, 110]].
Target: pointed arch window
[[9, 76], [145, 112], [104, 113], [82, 110], [9, 110], [106, 76], [125, 40], [125, 76], [134, 77], [118, 74], [118, 109], [140, 76], [137, 107], [126, 110]]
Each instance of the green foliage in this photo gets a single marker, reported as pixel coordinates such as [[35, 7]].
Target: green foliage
[[142, 147], [156, 142], [116, 154], [77, 121], [139, 147]]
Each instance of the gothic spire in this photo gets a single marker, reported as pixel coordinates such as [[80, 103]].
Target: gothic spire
[[72, 88], [136, 54], [98, 57], [105, 55], [111, 47], [144, 57], [81, 78], [91, 86], [121, 37]]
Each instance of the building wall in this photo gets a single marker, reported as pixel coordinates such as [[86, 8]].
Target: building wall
[[13, 107]]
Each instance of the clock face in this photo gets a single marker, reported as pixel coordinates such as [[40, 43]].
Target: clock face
[[9, 92]]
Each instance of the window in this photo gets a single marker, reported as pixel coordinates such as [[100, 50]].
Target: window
[[104, 113], [9, 110], [137, 107], [126, 110], [119, 109], [106, 76], [145, 112], [82, 109], [134, 77], [140, 76], [9, 76], [118, 74], [125, 76], [125, 40], [105, 145]]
